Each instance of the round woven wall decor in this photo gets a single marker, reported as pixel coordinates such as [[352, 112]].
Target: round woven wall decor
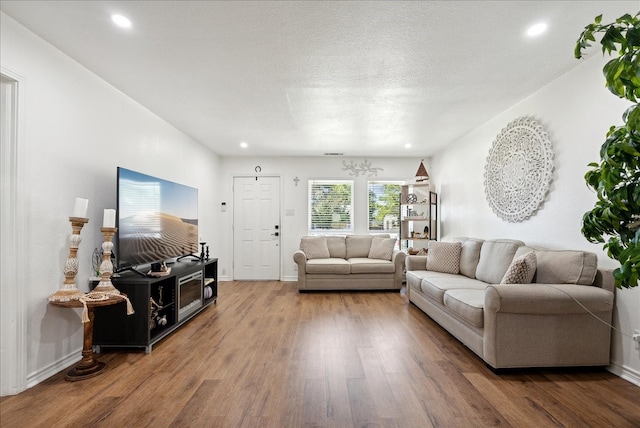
[[519, 170]]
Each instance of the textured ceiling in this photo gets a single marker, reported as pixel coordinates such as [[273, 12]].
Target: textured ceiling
[[302, 78]]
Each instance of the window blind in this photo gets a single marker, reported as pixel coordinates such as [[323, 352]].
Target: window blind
[[384, 206], [330, 206]]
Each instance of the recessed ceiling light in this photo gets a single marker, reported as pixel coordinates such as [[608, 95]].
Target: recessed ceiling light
[[407, 146], [243, 145], [121, 21], [537, 29]]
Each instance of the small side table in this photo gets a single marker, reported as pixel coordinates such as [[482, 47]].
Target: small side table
[[88, 366]]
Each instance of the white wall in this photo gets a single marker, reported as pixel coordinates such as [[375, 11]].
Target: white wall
[[576, 110], [295, 197], [76, 129]]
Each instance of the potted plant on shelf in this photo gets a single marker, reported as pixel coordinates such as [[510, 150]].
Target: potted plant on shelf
[[616, 178]]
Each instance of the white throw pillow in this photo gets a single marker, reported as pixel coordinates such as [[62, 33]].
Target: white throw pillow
[[521, 269], [315, 247], [382, 248], [444, 257]]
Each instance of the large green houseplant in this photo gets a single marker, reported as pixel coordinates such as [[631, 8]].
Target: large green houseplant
[[616, 178]]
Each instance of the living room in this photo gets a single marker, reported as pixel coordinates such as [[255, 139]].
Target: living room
[[75, 128]]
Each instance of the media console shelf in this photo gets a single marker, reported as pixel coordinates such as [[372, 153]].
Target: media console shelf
[[161, 304]]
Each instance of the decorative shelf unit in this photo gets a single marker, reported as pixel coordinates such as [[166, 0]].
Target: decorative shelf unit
[[162, 304], [418, 215]]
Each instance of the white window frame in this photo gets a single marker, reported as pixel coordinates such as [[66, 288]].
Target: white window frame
[[396, 230], [327, 231]]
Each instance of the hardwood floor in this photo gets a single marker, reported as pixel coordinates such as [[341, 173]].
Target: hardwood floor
[[267, 356]]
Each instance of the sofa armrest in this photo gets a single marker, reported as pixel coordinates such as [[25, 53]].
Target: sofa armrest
[[301, 260], [398, 258], [546, 299], [541, 325], [416, 262], [605, 280]]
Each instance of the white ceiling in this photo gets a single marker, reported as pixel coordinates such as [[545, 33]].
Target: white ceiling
[[302, 78]]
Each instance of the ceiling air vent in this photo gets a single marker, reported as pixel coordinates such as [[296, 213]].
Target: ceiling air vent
[[334, 154]]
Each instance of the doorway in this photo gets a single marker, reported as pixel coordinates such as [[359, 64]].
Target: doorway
[[256, 228], [12, 322]]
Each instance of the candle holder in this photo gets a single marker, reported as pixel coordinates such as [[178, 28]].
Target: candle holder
[[69, 291], [106, 267]]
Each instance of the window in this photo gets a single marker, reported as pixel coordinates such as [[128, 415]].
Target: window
[[330, 206], [384, 206]]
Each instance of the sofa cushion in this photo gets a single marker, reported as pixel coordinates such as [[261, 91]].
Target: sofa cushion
[[466, 304], [495, 257], [333, 265], [414, 278], [444, 257], [469, 255], [564, 266], [315, 247], [337, 247], [358, 245], [367, 265], [382, 248], [521, 269], [436, 284], [567, 267]]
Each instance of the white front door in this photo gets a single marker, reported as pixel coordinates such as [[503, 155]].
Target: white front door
[[256, 228]]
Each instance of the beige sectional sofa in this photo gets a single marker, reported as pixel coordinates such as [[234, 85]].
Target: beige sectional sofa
[[352, 262], [515, 305]]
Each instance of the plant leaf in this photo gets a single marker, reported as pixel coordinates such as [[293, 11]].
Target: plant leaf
[[616, 178]]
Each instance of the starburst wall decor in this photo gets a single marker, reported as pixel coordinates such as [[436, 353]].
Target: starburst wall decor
[[519, 170]]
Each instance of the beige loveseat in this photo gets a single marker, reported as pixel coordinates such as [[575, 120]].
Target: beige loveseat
[[352, 262], [552, 308]]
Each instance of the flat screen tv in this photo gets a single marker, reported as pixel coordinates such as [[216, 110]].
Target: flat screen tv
[[157, 219]]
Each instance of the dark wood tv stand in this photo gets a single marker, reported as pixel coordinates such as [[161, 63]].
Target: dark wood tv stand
[[149, 295]]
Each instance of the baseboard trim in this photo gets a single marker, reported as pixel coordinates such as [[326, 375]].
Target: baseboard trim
[[626, 373], [227, 278], [52, 369]]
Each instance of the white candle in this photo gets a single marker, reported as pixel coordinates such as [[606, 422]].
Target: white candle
[[109, 218], [80, 209]]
